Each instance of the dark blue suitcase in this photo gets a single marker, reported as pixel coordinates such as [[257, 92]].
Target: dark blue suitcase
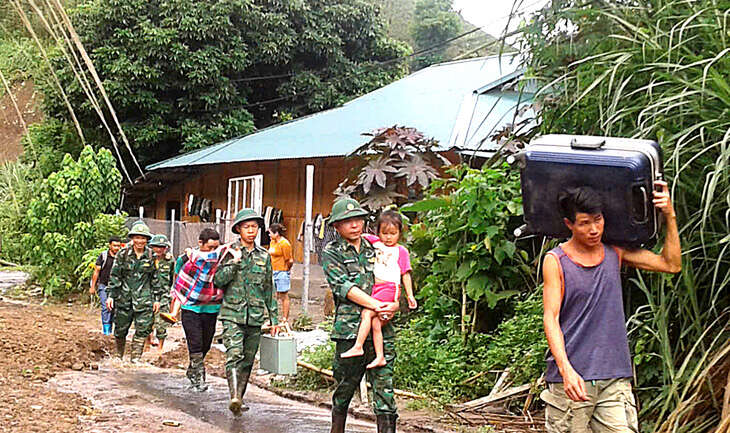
[[621, 170]]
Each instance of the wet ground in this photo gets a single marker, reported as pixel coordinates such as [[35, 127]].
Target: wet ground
[[135, 399]]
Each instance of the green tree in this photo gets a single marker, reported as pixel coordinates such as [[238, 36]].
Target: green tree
[[66, 217], [434, 22], [184, 74]]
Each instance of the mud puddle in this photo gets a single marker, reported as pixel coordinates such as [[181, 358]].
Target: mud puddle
[[133, 399]]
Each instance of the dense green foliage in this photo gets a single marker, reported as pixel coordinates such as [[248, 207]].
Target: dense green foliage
[[189, 73], [656, 69], [434, 22], [465, 259], [447, 367], [19, 184], [66, 217]]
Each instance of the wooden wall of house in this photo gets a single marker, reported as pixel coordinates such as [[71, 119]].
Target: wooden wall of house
[[284, 188]]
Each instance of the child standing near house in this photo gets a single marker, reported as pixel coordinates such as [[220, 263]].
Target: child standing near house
[[392, 265]]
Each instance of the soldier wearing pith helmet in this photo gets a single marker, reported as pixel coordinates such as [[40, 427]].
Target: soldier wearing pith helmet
[[248, 289], [134, 291], [348, 265], [165, 266]]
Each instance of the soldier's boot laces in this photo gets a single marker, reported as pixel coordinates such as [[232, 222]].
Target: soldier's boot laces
[[339, 418], [135, 351], [241, 390], [386, 423], [235, 404], [121, 343]]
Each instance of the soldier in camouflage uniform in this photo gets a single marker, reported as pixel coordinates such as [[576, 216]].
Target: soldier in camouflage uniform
[[165, 265], [248, 287], [348, 265], [134, 291]]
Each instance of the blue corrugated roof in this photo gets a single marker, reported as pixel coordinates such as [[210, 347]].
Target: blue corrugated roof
[[428, 100]]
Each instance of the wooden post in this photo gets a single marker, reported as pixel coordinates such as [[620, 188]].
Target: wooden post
[[307, 238], [172, 232]]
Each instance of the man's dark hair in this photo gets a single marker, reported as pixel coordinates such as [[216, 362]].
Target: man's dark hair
[[114, 239], [208, 234], [581, 199], [389, 217], [277, 228]]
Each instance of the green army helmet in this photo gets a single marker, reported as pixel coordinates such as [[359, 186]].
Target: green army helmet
[[141, 229], [346, 208], [247, 214], [159, 241]]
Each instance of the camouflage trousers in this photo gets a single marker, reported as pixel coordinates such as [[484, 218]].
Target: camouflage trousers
[[348, 373], [143, 321], [160, 326], [242, 343]]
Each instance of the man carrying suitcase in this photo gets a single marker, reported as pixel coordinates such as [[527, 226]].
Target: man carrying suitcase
[[589, 365]]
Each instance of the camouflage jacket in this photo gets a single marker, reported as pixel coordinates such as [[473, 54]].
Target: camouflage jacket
[[133, 283], [165, 271], [248, 288], [346, 268]]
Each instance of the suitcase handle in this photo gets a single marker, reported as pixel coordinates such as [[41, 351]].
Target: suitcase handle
[[643, 217], [574, 144]]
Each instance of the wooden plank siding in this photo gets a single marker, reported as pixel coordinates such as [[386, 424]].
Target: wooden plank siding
[[284, 188]]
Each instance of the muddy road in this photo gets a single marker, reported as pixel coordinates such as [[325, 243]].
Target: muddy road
[[144, 399], [57, 375]]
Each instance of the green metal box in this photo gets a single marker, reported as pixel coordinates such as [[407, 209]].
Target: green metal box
[[278, 354]]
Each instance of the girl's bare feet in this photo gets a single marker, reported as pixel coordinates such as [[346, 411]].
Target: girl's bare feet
[[377, 362], [355, 351]]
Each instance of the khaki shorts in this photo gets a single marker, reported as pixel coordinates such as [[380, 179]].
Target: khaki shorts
[[610, 408]]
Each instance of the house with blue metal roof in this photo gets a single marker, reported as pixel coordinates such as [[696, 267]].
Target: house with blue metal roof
[[460, 104]]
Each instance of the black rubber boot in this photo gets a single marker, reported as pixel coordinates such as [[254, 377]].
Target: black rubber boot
[[386, 423], [235, 404], [339, 418], [121, 343]]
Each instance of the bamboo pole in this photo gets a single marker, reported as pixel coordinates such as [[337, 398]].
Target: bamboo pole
[[29, 27]]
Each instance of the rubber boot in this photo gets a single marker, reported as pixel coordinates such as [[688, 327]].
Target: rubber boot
[[135, 351], [339, 418], [235, 404], [242, 384], [106, 328], [121, 343], [196, 372], [386, 423]]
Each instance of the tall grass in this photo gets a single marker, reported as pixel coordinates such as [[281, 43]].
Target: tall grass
[[657, 69], [18, 186]]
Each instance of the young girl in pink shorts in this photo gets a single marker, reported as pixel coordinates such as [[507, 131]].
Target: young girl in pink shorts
[[392, 264]]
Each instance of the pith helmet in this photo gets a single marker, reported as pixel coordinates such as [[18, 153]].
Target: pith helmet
[[159, 241], [346, 208], [141, 229], [247, 215]]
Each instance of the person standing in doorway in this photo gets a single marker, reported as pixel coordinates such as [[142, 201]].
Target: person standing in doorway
[[134, 291], [100, 280], [248, 290], [348, 264], [589, 367], [281, 262]]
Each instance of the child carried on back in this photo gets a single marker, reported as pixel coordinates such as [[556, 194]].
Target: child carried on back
[[392, 265], [194, 282]]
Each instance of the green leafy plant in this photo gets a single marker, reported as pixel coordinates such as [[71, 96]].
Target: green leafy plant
[[465, 257], [66, 218], [396, 165]]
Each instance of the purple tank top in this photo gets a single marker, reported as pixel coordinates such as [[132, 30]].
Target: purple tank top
[[592, 319]]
